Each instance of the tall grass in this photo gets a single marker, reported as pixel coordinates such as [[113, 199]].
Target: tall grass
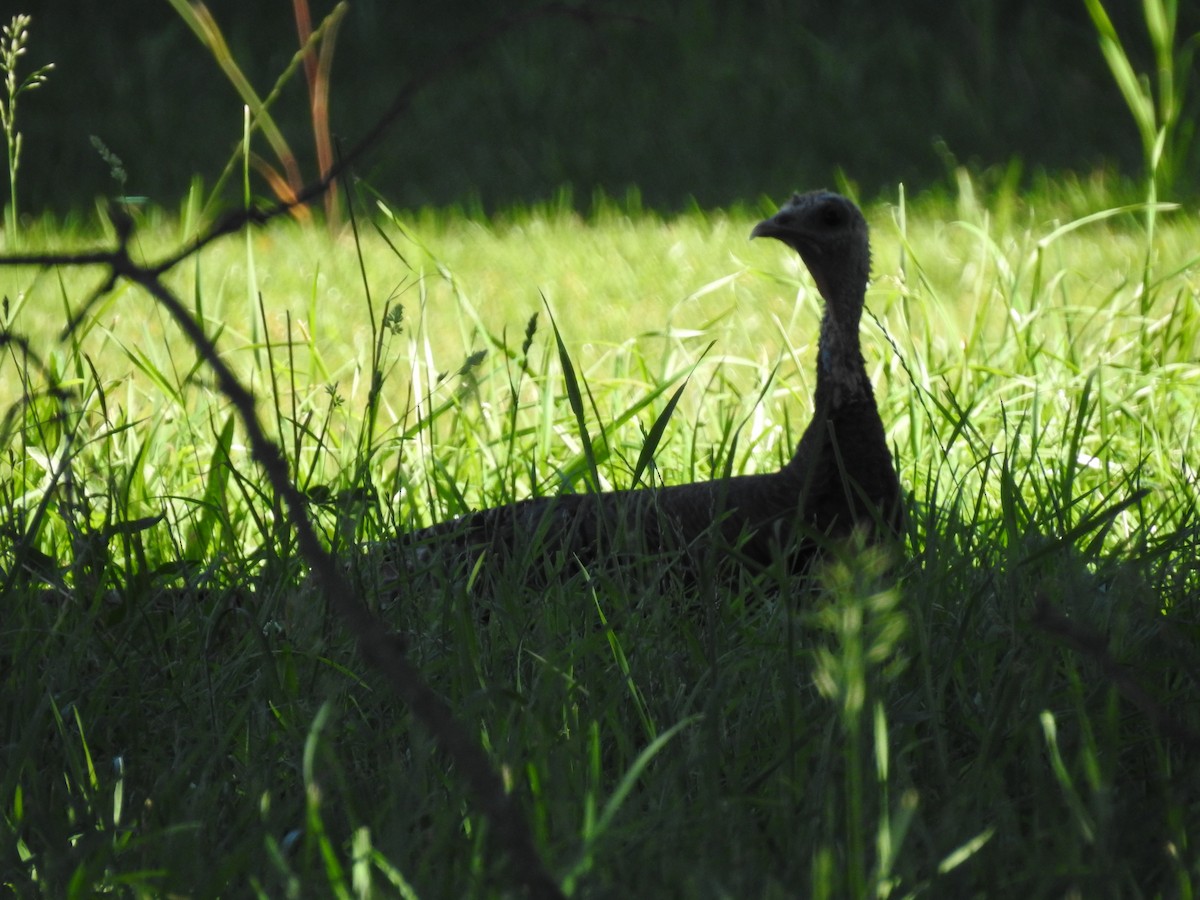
[[1008, 709], [14, 40]]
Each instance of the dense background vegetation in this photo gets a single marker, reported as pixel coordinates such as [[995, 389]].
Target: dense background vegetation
[[716, 101], [1009, 707]]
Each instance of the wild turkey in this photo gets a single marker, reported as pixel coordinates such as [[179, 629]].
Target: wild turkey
[[841, 475]]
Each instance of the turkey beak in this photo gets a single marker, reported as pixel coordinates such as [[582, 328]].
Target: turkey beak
[[766, 228], [788, 234]]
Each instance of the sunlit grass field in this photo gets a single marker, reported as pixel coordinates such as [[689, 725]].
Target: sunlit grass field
[[1011, 708]]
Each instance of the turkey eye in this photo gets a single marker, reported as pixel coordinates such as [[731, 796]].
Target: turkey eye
[[832, 216]]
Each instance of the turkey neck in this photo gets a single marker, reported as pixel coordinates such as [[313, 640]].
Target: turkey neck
[[843, 400], [841, 371]]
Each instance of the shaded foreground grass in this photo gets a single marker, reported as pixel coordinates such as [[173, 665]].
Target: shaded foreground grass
[[1010, 709]]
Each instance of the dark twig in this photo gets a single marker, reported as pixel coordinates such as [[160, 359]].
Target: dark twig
[[1089, 643]]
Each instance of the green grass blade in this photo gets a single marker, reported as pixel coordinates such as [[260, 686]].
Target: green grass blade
[[575, 399]]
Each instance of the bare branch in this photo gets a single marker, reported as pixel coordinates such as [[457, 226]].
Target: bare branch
[[1091, 644], [377, 646]]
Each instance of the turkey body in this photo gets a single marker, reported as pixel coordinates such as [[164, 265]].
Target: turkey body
[[841, 477]]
